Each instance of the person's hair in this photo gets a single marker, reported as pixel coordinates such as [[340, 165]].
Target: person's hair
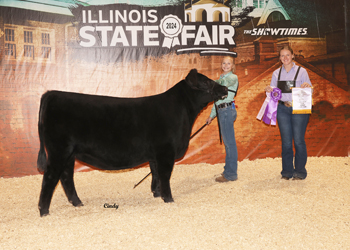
[[233, 63], [286, 47]]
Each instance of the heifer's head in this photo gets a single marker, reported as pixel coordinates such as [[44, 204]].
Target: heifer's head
[[198, 81]]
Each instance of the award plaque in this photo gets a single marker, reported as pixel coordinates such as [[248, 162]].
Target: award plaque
[[302, 100]]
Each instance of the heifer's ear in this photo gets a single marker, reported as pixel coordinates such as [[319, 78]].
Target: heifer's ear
[[191, 78]]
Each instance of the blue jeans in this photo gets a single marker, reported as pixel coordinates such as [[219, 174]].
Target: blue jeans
[[292, 127], [227, 117]]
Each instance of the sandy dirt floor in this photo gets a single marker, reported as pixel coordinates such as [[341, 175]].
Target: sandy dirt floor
[[258, 211]]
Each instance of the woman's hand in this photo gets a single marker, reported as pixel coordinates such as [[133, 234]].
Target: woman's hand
[[305, 85], [209, 120], [268, 89]]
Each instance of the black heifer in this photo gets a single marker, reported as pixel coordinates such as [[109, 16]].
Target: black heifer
[[117, 133]]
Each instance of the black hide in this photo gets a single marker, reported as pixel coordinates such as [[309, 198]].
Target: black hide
[[117, 133]]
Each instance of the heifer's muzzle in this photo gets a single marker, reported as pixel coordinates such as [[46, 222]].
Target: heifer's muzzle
[[219, 92]]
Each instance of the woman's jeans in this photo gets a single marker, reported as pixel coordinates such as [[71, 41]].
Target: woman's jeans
[[227, 116], [292, 127]]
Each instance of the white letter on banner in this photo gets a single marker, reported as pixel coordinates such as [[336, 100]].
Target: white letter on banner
[[144, 16], [133, 30], [150, 14], [83, 34], [215, 34], [83, 14], [119, 37], [147, 35], [138, 16], [104, 37], [228, 36], [202, 36], [185, 35], [111, 16], [100, 16], [90, 18], [122, 17]]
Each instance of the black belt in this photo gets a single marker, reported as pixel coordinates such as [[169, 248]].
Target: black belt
[[224, 105]]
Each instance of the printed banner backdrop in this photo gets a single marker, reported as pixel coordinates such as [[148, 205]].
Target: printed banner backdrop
[[128, 49]]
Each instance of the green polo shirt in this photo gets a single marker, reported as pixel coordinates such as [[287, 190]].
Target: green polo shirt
[[229, 80]]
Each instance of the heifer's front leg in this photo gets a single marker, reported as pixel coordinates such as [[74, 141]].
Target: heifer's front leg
[[155, 179], [165, 167], [67, 182]]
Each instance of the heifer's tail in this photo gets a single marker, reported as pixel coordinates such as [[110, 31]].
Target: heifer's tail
[[42, 160]]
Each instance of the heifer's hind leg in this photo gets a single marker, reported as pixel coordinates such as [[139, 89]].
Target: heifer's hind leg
[[67, 182], [155, 179], [50, 180]]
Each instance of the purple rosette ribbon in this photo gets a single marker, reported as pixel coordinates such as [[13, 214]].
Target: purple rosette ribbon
[[271, 108]]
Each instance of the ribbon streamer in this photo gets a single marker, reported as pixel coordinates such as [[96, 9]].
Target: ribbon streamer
[[268, 111], [263, 107], [170, 42]]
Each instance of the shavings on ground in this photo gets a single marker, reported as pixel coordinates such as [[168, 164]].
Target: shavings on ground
[[258, 211]]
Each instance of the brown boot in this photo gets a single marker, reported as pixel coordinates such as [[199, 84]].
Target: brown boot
[[221, 178]]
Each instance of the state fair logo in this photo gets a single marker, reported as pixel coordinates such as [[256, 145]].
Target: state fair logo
[[196, 28]]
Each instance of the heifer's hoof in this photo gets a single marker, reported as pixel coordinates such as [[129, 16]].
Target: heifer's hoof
[[44, 213], [77, 203], [168, 199], [156, 194]]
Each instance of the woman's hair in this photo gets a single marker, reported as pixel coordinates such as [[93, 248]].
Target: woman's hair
[[286, 47], [233, 63]]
